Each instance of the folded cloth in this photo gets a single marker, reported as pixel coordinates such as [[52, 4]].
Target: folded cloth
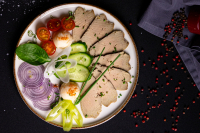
[[157, 15]]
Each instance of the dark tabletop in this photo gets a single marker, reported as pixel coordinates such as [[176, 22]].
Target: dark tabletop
[[16, 117]]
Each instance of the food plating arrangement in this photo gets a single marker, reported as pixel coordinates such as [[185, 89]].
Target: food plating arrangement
[[75, 67]]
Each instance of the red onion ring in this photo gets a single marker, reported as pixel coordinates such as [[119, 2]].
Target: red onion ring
[[45, 104], [40, 92], [30, 76]]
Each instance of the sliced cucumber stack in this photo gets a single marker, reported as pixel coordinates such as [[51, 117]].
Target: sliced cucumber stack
[[78, 73], [78, 47], [82, 58]]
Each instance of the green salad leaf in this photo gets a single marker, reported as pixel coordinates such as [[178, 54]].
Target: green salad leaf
[[32, 54]]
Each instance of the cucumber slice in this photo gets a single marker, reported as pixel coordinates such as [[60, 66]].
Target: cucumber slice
[[78, 73], [78, 47], [82, 58]]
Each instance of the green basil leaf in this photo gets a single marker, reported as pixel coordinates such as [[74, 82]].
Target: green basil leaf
[[32, 54]]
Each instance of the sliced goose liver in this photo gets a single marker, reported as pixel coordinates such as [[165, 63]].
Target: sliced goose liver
[[91, 103], [122, 62], [82, 19], [97, 30], [114, 42], [117, 77]]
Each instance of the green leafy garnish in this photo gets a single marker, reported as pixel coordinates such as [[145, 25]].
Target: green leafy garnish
[[32, 54], [31, 34], [101, 94], [70, 15]]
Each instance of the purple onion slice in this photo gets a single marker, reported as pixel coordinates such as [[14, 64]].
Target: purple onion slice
[[40, 92], [45, 104], [30, 76]]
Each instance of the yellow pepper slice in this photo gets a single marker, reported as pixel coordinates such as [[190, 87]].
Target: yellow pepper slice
[[57, 110]]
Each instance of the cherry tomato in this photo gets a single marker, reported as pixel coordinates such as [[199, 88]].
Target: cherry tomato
[[49, 47], [43, 34], [54, 24], [67, 24]]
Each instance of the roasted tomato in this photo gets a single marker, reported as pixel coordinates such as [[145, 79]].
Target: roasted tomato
[[43, 34], [49, 47], [67, 23], [54, 24]]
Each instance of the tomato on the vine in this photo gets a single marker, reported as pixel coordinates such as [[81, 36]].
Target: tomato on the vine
[[49, 47], [54, 24], [43, 34], [68, 23]]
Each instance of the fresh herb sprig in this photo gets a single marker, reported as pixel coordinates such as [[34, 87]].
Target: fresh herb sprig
[[97, 79], [31, 34], [70, 15]]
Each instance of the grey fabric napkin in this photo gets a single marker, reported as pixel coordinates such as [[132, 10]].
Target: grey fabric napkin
[[157, 15]]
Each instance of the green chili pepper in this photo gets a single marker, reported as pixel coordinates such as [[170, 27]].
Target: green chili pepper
[[57, 110], [69, 112], [67, 119], [77, 116]]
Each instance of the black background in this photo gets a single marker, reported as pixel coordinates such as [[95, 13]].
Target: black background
[[16, 117]]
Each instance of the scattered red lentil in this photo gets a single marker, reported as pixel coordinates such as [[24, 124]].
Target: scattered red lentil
[[124, 111]]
